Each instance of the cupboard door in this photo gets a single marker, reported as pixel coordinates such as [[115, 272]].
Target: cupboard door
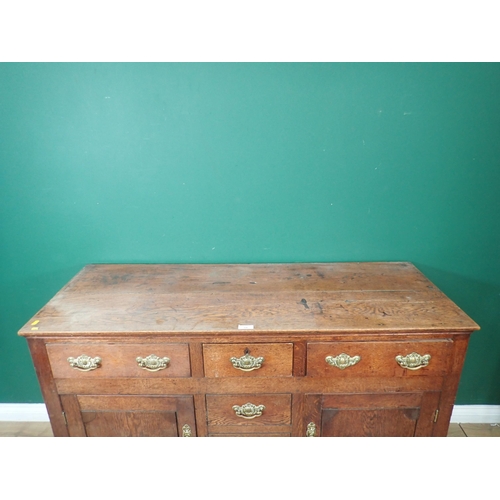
[[371, 415], [129, 416]]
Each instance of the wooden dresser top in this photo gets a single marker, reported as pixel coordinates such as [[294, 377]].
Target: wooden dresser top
[[368, 297]]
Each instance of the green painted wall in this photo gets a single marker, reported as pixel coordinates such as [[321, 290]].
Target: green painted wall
[[250, 163]]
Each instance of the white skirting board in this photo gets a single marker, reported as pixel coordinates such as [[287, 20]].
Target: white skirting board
[[23, 412], [463, 414], [476, 414]]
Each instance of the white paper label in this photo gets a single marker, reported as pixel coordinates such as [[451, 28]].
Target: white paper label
[[245, 327]]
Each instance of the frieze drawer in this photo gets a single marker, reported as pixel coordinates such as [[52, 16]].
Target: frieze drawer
[[248, 360], [378, 359], [119, 360]]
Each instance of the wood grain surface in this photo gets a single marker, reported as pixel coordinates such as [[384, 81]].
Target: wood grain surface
[[191, 298]]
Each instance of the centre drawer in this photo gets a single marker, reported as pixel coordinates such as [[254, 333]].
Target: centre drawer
[[249, 409], [248, 360], [378, 359], [93, 360]]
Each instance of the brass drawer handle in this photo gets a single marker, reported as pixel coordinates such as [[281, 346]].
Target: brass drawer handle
[[342, 361], [85, 363], [249, 410], [153, 363], [311, 430], [413, 361], [247, 363]]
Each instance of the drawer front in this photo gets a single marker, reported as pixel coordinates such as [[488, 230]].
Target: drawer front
[[365, 359], [248, 410], [252, 432], [248, 360], [119, 360]]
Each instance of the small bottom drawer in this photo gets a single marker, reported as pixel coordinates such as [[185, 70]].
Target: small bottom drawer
[[251, 434], [248, 410]]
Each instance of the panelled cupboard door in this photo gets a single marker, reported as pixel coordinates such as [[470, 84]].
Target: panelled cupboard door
[[371, 415], [127, 416]]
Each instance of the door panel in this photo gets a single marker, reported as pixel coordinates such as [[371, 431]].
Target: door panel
[[130, 423], [369, 422], [129, 416], [372, 415]]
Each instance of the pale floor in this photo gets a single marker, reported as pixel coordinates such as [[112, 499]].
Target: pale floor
[[42, 429]]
